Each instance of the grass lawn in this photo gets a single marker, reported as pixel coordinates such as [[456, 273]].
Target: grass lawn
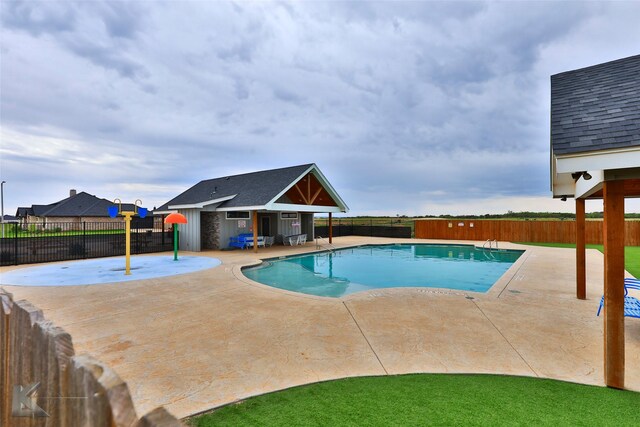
[[433, 399], [631, 254]]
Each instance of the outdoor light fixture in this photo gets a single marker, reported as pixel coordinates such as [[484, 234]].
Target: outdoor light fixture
[[585, 175]]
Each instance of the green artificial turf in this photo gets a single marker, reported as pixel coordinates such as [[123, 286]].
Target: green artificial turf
[[433, 399], [631, 254]]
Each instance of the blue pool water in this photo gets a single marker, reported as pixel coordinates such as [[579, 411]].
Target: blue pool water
[[346, 271]]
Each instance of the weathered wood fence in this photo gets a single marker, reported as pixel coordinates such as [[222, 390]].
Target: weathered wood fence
[[75, 390], [518, 231]]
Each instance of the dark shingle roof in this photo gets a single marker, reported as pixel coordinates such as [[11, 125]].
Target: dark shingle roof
[[81, 204], [596, 108], [252, 189], [22, 212]]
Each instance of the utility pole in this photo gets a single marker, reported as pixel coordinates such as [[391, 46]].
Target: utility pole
[[2, 206]]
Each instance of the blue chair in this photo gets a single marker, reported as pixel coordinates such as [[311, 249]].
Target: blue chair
[[631, 304], [241, 241], [631, 283]]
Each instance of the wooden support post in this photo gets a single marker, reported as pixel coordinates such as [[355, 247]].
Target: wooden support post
[[330, 229], [613, 232], [255, 231], [581, 272]]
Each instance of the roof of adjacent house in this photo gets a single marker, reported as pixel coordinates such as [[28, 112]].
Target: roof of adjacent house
[[248, 189], [80, 204], [596, 108], [9, 218]]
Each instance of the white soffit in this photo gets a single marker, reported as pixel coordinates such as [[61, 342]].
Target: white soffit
[[563, 185], [598, 160], [304, 208], [585, 188]]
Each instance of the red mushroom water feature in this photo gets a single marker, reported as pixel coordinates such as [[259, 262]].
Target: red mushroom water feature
[[175, 219]]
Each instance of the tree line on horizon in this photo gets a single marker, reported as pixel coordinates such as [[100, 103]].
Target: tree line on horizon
[[513, 215], [531, 215]]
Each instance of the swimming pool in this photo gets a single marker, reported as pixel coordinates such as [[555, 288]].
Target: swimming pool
[[346, 271]]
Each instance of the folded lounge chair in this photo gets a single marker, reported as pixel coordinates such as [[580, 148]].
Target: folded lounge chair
[[294, 240], [631, 304]]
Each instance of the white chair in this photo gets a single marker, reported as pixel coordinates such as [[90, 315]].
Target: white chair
[[269, 240], [260, 242], [293, 240], [302, 239]]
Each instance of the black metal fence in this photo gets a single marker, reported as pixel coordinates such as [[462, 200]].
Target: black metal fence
[[360, 227], [63, 241]]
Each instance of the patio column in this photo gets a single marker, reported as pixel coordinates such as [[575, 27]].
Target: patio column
[[255, 231], [581, 276], [613, 233], [330, 229]]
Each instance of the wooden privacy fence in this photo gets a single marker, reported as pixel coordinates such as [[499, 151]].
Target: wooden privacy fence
[[75, 390], [518, 231]]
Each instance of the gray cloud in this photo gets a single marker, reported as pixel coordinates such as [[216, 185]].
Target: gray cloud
[[405, 105], [108, 57], [122, 19], [38, 18]]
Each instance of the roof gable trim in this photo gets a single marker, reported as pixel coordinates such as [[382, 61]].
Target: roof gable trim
[[323, 182], [202, 204]]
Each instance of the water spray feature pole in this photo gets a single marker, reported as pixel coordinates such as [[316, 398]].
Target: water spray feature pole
[[175, 219], [137, 210], [175, 242], [127, 242]]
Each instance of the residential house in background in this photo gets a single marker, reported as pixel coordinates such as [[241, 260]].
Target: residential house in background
[[75, 209]]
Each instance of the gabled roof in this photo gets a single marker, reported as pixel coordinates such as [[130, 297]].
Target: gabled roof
[[596, 108], [23, 211], [80, 204], [255, 189]]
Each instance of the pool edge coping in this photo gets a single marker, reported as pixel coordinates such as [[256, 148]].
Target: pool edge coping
[[505, 278]]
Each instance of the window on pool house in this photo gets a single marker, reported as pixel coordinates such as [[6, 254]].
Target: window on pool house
[[239, 215]]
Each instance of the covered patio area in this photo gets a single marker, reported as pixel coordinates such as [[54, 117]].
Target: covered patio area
[[595, 154]]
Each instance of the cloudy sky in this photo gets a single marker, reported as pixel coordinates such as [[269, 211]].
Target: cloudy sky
[[407, 108]]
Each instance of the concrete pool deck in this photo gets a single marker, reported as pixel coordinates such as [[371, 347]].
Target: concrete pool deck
[[195, 341]]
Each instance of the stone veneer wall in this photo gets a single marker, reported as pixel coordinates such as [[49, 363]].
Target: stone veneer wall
[[210, 230], [33, 350]]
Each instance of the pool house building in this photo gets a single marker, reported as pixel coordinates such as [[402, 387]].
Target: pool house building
[[275, 203]]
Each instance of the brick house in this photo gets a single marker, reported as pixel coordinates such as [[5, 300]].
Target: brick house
[[75, 209]]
